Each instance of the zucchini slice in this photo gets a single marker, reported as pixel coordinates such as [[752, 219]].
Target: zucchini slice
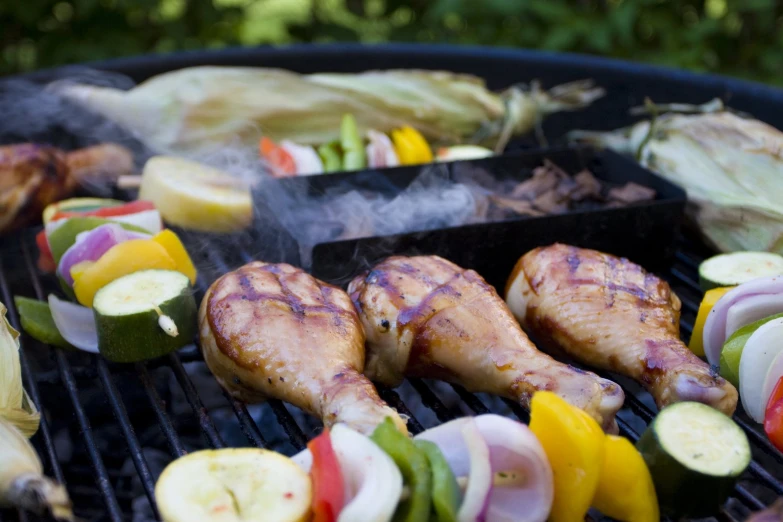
[[737, 268], [134, 315], [695, 455], [234, 485]]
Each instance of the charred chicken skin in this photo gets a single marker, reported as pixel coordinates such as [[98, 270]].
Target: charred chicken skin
[[272, 330], [427, 317], [609, 313]]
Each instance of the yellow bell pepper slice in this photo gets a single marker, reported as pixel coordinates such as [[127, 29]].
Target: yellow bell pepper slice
[[173, 245], [422, 148], [697, 337], [625, 489], [405, 150], [120, 260], [78, 269], [411, 147], [574, 445]]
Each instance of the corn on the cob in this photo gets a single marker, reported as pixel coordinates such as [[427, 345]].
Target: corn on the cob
[[15, 406], [730, 166], [199, 108], [22, 483]]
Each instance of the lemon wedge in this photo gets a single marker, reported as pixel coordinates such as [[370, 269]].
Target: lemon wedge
[[194, 196], [233, 485]]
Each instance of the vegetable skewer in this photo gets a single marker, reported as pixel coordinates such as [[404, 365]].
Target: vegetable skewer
[[115, 256]]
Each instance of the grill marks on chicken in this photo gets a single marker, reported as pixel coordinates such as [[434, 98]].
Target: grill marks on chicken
[[427, 317], [272, 330], [610, 313]]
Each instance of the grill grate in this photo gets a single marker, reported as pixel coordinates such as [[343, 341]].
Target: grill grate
[[111, 466]]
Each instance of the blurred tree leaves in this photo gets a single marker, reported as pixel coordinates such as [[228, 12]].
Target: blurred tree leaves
[[735, 37]]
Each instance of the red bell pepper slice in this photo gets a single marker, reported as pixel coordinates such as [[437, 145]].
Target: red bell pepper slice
[[328, 490], [773, 416], [46, 262], [126, 209], [45, 259], [281, 162]]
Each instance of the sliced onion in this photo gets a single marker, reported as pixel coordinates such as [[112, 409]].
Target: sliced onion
[[449, 439], [51, 226], [380, 151], [715, 326], [76, 324], [467, 453], [305, 157], [513, 448], [751, 309], [476, 500], [758, 356], [91, 245], [148, 220], [304, 459], [373, 484]]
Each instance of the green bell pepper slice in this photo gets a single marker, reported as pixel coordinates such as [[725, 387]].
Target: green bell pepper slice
[[37, 321], [354, 157], [415, 469], [446, 495], [330, 157]]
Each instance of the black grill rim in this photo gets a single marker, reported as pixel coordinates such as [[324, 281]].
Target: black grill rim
[[628, 78]]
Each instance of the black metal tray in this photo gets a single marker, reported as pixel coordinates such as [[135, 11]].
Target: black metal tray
[[643, 232]]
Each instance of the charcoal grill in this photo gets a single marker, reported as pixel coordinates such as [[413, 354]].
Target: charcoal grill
[[107, 429]]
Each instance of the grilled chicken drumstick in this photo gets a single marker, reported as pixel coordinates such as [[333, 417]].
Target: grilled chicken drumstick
[[609, 313], [33, 176], [427, 317], [272, 330]]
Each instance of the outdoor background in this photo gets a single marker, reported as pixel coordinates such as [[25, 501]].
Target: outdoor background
[[735, 37]]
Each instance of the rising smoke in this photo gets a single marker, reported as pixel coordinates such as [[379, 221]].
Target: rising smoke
[[291, 218]]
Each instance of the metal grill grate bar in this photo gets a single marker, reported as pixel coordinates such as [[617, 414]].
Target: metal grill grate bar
[[102, 477], [289, 424], [246, 423], [686, 287], [136, 453], [473, 402], [430, 400], [177, 450], [193, 398]]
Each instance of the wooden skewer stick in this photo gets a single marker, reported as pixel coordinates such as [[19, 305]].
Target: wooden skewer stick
[[129, 181], [133, 181]]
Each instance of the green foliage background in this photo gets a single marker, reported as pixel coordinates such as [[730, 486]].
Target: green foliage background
[[735, 37]]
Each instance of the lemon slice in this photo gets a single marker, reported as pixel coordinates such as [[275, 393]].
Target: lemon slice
[[195, 196], [233, 485]]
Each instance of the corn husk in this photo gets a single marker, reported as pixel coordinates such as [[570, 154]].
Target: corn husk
[[730, 166], [15, 405], [22, 483], [199, 109]]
